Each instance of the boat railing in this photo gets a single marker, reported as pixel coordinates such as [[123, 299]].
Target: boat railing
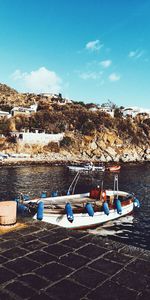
[[73, 184]]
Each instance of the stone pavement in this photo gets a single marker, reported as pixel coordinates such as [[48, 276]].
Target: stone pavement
[[42, 262]]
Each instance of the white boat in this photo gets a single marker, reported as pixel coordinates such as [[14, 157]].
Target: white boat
[[86, 210], [86, 167], [56, 213]]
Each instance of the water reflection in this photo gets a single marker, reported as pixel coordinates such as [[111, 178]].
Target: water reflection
[[135, 229]]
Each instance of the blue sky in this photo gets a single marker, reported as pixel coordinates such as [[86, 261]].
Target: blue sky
[[89, 51]]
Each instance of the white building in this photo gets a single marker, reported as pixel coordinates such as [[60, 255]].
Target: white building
[[41, 138], [93, 109], [56, 98], [24, 110], [4, 114], [107, 109], [134, 111]]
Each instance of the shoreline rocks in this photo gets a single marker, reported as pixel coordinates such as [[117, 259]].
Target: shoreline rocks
[[96, 148], [60, 159]]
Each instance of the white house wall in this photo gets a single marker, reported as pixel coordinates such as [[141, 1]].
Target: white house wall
[[40, 138]]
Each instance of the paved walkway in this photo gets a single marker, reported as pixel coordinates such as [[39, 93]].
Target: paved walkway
[[44, 262]]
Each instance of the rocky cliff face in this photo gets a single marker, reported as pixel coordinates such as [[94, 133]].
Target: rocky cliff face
[[88, 136], [106, 147]]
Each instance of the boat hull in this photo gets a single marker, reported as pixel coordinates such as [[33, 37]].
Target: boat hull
[[86, 169], [83, 220]]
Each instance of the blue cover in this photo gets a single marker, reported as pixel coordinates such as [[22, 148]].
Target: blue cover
[[106, 208], [54, 194], [136, 203], [43, 195], [40, 210], [89, 209], [69, 212], [118, 206]]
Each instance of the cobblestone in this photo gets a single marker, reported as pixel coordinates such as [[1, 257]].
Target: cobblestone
[[45, 262]]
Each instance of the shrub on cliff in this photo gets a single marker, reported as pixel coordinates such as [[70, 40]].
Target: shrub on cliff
[[66, 142], [145, 128], [118, 112], [147, 122], [4, 126], [11, 139], [52, 146], [88, 127]]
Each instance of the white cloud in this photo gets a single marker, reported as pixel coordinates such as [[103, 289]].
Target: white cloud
[[106, 63], [114, 77], [38, 81], [90, 75], [18, 75], [94, 45], [136, 54]]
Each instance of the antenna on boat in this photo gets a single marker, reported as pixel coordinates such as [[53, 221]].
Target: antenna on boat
[[73, 183], [116, 184]]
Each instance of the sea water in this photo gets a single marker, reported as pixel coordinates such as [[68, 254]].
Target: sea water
[[133, 178]]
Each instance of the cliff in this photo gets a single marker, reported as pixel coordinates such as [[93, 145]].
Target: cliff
[[89, 135], [9, 98]]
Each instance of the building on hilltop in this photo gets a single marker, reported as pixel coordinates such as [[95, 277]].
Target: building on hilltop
[[107, 109], [24, 110], [48, 95], [55, 98], [136, 111], [92, 107]]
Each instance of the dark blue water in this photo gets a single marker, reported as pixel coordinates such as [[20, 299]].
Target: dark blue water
[[32, 180]]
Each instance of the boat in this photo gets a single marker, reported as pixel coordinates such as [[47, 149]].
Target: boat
[[86, 167], [82, 211], [114, 168]]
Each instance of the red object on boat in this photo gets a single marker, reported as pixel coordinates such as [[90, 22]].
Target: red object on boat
[[95, 193], [114, 168]]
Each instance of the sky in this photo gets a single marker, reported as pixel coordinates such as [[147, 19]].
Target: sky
[[87, 50]]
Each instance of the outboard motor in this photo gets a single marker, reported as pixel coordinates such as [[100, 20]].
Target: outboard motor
[[89, 209], [69, 212]]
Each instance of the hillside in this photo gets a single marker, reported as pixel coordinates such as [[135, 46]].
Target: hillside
[[10, 98], [88, 134]]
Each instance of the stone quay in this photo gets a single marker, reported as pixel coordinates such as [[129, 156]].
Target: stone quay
[[41, 261]]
